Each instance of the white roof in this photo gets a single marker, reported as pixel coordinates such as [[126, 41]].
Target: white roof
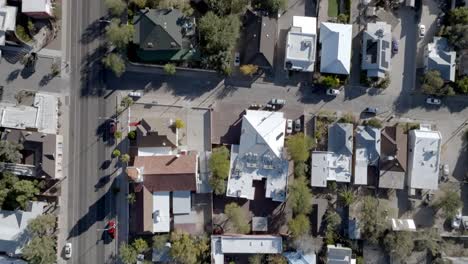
[[181, 202], [367, 152], [42, 115], [161, 215], [338, 254], [329, 166], [36, 6], [424, 159], [244, 244], [155, 151], [301, 44], [336, 47], [259, 156], [7, 20], [13, 225], [403, 224]]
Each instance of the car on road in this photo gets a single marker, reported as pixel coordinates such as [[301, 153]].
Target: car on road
[[112, 126], [422, 31], [68, 250], [237, 59], [135, 95], [289, 126], [297, 125], [279, 102], [334, 92], [394, 46], [433, 101], [111, 228], [370, 110]]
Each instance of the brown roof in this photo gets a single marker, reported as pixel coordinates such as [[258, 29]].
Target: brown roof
[[144, 209], [156, 132], [393, 157], [168, 172]]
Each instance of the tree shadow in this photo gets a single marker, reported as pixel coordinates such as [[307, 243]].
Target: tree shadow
[[13, 75], [46, 79], [94, 30], [92, 73]]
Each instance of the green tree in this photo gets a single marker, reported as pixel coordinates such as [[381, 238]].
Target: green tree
[[399, 244], [159, 241], [248, 69], [169, 69], [119, 34], [179, 123], [272, 6], [462, 85], [299, 225], [276, 259], [433, 84], [140, 245], [227, 7], [450, 203], [127, 254], [300, 196], [330, 81], [219, 166], [373, 219], [429, 239], [118, 134], [125, 158], [10, 152], [42, 225], [346, 196], [186, 249], [299, 146], [333, 219], [256, 259], [40, 250], [373, 122], [131, 135], [127, 101], [139, 3], [116, 153], [182, 5], [116, 7], [457, 28], [300, 169], [347, 118], [24, 191], [115, 63], [342, 18], [237, 217]]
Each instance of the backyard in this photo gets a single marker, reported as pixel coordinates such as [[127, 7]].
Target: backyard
[[333, 8]]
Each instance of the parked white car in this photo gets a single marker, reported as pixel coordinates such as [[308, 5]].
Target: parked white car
[[237, 59], [433, 101], [134, 94], [456, 221], [334, 92], [289, 126], [68, 250], [422, 31]]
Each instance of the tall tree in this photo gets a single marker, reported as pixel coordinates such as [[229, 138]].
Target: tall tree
[[119, 34], [42, 225], [433, 84], [228, 7], [299, 226], [115, 63], [186, 249], [450, 203], [237, 217], [140, 245], [299, 146], [399, 244], [276, 259], [373, 219], [272, 6], [127, 254], [159, 241], [116, 7], [256, 259], [10, 152], [219, 166], [40, 250], [24, 191], [346, 196], [300, 196]]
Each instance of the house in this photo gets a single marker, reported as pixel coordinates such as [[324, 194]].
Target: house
[[367, 155], [438, 56], [41, 116], [339, 255], [393, 157], [243, 244], [259, 156], [376, 49], [402, 224], [37, 8], [13, 235], [7, 20], [163, 35], [159, 180], [156, 136], [300, 257], [301, 44], [424, 159], [42, 154], [259, 39], [335, 56], [336, 163]]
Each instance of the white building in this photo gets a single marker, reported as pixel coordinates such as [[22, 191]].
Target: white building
[[376, 49], [244, 244], [259, 155], [161, 214], [301, 44], [335, 56], [439, 57], [7, 20], [403, 224], [367, 153], [424, 159], [336, 163], [37, 8]]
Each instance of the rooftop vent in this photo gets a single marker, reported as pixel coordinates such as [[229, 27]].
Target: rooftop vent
[[149, 44]]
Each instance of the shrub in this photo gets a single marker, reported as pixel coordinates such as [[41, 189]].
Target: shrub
[[248, 69], [330, 81], [179, 123], [373, 122], [116, 153], [22, 34], [342, 18], [347, 118], [118, 135], [132, 135], [170, 69]]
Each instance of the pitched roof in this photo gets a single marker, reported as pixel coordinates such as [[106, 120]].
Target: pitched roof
[[393, 153], [338, 255], [156, 132], [376, 49], [440, 58], [367, 152], [336, 48], [340, 138], [166, 173]]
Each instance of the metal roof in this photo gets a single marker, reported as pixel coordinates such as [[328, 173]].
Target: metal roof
[[367, 152], [301, 44], [336, 48], [181, 202], [440, 58]]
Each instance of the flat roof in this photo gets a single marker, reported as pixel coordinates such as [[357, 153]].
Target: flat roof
[[8, 18], [181, 202], [328, 166], [161, 214], [36, 6], [403, 224], [260, 223], [424, 159], [301, 44], [367, 152]]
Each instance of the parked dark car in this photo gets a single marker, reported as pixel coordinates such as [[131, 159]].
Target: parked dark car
[[370, 110]]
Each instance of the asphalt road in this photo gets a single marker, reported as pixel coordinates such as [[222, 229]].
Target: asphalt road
[[90, 197]]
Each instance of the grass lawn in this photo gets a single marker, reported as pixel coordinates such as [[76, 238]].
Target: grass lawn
[[333, 8]]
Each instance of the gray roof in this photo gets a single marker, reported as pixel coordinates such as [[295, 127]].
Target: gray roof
[[440, 58], [295, 257], [338, 255], [340, 139], [181, 202], [369, 138], [156, 132], [376, 49], [336, 48], [161, 29], [260, 224]]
